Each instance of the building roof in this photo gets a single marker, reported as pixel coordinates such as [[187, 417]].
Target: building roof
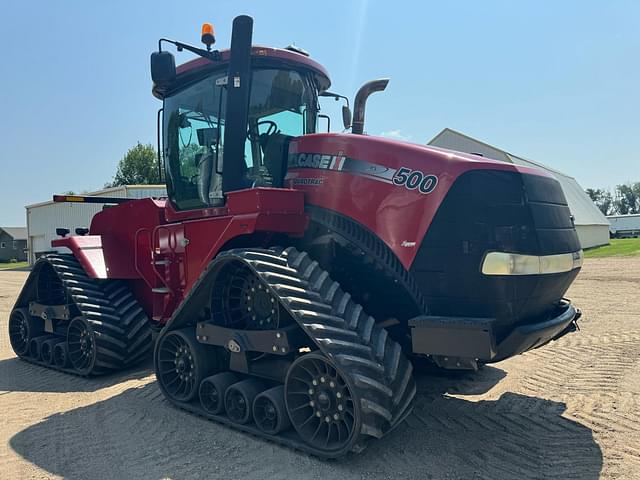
[[17, 233], [582, 208], [626, 215]]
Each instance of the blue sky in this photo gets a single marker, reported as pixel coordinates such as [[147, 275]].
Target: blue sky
[[557, 82]]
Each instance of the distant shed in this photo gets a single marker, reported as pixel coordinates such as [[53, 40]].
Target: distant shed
[[624, 226], [43, 218], [592, 226]]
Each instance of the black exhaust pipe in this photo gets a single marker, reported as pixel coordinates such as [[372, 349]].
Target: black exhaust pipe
[[361, 102], [238, 85]]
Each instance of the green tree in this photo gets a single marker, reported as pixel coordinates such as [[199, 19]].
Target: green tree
[[628, 198], [138, 167], [602, 199]]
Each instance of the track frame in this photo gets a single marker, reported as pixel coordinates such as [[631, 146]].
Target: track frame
[[120, 326], [332, 324]]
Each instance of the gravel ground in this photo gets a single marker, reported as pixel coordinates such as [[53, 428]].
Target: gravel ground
[[568, 410]]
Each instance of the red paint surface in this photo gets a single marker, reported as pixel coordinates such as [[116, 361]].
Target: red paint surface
[[296, 59], [88, 250], [118, 227], [125, 240], [394, 213]]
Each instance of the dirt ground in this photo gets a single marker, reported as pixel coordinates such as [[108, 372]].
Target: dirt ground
[[569, 410]]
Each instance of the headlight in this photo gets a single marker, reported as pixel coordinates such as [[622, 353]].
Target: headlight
[[501, 263]]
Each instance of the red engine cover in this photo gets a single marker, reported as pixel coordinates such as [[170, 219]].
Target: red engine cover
[[393, 188]]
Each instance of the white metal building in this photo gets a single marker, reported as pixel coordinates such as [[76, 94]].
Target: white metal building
[[43, 218], [625, 225], [592, 226]]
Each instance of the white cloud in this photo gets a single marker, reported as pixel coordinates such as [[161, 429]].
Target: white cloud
[[396, 134]]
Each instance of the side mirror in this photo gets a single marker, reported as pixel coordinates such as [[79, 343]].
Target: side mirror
[[346, 116], [163, 68], [346, 111]]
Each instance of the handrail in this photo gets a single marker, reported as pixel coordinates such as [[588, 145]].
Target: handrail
[[172, 244], [135, 254], [151, 242]]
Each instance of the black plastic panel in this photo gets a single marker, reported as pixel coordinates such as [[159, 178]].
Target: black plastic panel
[[490, 210]]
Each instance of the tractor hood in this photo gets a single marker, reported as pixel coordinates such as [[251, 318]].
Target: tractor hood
[[441, 213], [400, 179]]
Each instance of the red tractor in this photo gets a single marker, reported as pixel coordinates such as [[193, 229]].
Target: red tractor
[[292, 276]]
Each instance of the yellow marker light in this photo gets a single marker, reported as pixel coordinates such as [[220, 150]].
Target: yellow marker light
[[73, 198], [208, 35]]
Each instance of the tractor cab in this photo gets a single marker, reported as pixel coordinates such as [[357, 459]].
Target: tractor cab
[[282, 105], [228, 117]]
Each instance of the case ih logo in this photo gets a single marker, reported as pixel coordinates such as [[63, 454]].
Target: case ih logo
[[317, 160], [405, 177]]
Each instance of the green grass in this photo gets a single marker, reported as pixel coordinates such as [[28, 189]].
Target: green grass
[[621, 247], [8, 266]]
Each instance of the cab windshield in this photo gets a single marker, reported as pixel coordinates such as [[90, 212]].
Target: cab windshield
[[283, 104]]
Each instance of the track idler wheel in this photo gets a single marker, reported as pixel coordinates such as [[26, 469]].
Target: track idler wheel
[[212, 390], [46, 350], [61, 355], [35, 347], [81, 343], [321, 405], [238, 399], [270, 411], [243, 301], [182, 363], [22, 329]]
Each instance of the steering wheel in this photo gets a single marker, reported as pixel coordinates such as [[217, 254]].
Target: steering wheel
[[271, 129]]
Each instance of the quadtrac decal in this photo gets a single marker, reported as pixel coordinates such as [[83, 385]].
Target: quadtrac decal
[[408, 178], [313, 181]]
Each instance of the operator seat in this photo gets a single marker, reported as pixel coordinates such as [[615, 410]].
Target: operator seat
[[209, 182], [204, 163], [275, 149]]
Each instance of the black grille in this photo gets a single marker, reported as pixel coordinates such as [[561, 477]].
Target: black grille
[[490, 210]]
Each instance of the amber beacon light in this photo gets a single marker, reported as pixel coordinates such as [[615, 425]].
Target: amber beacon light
[[208, 36]]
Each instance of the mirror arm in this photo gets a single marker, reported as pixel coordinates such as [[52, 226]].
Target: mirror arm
[[211, 55], [337, 96]]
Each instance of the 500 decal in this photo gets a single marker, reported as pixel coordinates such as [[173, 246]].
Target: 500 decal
[[413, 179]]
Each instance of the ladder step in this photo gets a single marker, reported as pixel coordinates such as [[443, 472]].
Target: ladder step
[[161, 262], [160, 290]]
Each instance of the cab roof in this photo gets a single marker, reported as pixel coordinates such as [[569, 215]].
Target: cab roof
[[290, 57]]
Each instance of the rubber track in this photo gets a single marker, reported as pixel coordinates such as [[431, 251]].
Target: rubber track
[[379, 372], [122, 332], [362, 240]]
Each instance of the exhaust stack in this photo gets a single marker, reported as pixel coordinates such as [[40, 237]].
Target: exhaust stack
[[237, 107], [361, 102]]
